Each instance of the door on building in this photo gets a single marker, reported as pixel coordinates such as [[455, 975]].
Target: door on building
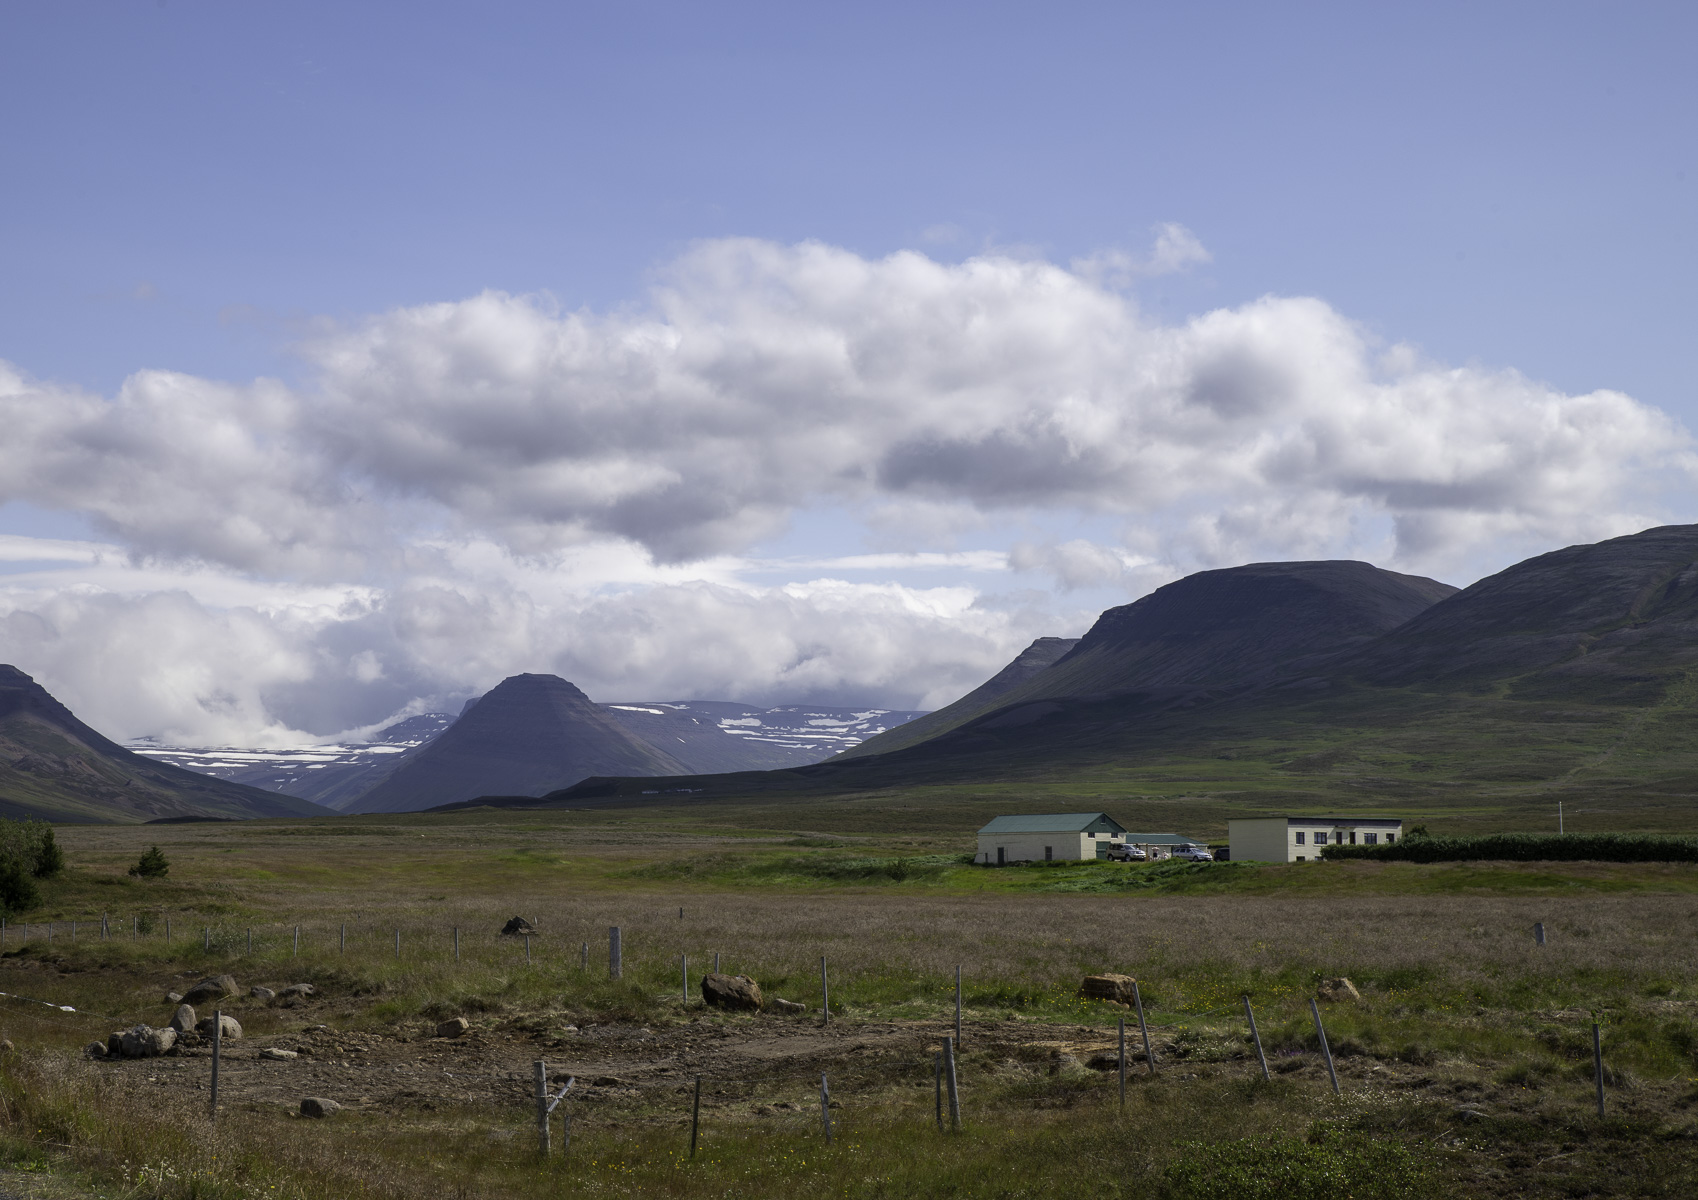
[[999, 856], [1049, 853]]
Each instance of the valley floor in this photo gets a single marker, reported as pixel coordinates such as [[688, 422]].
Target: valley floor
[[1464, 1069]]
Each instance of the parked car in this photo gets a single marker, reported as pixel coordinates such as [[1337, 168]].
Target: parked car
[[1193, 854], [1125, 853]]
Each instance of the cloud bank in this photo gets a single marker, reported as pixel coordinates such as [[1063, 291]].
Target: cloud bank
[[462, 475]]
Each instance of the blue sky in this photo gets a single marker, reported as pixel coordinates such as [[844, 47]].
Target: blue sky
[[221, 191]]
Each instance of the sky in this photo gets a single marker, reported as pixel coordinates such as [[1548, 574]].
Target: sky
[[354, 357]]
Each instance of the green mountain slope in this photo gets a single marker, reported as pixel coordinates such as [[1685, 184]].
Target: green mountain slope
[[1574, 674], [54, 767]]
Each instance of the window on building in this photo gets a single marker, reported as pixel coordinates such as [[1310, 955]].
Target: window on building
[[1369, 839], [1320, 837], [1300, 858], [1391, 837], [1299, 837], [1352, 837]]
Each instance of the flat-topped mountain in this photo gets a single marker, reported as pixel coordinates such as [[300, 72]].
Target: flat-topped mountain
[[528, 735], [55, 767]]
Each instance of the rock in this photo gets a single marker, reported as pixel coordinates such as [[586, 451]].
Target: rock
[[789, 1006], [1468, 1114], [215, 987], [6, 1046], [294, 990], [184, 1020], [231, 1027], [453, 1027], [173, 997], [1117, 988], [115, 1044], [518, 927], [276, 1055], [95, 1049], [318, 1106], [144, 1041], [1338, 989], [607, 1081], [1103, 1062], [738, 993], [1065, 1064], [262, 993]]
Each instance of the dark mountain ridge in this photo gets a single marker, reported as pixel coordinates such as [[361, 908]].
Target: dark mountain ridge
[[55, 767], [528, 735]]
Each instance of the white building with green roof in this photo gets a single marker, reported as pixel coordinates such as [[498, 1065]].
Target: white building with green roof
[[1045, 837]]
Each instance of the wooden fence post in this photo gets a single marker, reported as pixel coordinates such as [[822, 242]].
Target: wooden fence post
[[297, 953], [456, 943], [1321, 1032], [527, 948], [1149, 1055], [397, 944], [586, 963], [1256, 1036], [1598, 1065], [695, 1116], [716, 962], [949, 1080], [825, 992], [542, 1107], [1538, 933], [825, 1108], [217, 1046], [206, 944], [615, 967], [684, 968]]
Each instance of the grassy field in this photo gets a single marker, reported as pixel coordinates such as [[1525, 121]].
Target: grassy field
[[1465, 1068]]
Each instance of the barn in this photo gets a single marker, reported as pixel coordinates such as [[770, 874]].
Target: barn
[[1046, 837]]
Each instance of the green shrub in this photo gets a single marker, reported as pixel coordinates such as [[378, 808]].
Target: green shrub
[[1528, 847], [152, 864], [30, 844], [17, 887]]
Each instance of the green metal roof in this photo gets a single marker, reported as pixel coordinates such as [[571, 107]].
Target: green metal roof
[[1055, 823]]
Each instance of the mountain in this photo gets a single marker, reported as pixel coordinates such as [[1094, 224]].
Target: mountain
[[528, 735], [987, 696], [54, 767], [331, 775], [712, 736], [1291, 687]]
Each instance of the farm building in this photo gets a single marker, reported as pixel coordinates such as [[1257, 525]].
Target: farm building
[[1300, 839], [1048, 836]]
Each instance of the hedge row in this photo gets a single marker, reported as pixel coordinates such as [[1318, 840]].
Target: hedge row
[[1529, 847]]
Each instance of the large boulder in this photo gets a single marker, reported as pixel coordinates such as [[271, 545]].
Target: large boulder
[[518, 926], [144, 1041], [262, 993], [1114, 988], [232, 1028], [453, 1027], [1335, 990], [738, 993], [214, 987], [185, 1018], [295, 991], [318, 1106]]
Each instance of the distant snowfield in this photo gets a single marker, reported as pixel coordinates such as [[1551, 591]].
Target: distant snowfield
[[810, 734]]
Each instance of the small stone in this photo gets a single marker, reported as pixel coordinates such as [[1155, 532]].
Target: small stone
[[214, 987], [95, 1049], [230, 1028], [1114, 988], [185, 1018], [453, 1027], [736, 992], [789, 1007], [295, 989], [144, 1041], [6, 1046], [262, 993], [276, 1055], [1335, 990], [570, 1029], [607, 1081], [319, 1107], [173, 997]]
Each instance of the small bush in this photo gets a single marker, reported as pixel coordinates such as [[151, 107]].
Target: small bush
[[152, 865], [18, 890]]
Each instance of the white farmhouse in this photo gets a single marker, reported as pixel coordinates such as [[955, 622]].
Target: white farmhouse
[[1048, 836], [1300, 839]]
